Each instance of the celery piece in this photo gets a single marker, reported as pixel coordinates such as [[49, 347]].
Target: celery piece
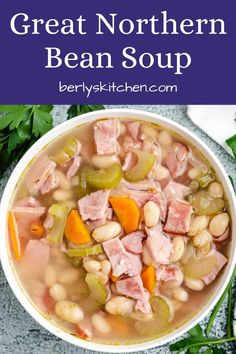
[[103, 179], [97, 289], [83, 252], [205, 180], [71, 147], [60, 212], [142, 168], [60, 158], [198, 268], [204, 204]]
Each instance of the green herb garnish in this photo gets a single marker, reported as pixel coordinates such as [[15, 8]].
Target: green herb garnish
[[231, 142], [197, 340], [78, 109], [20, 127]]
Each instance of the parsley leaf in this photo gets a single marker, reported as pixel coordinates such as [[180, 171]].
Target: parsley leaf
[[77, 110], [20, 127], [231, 142], [42, 122]]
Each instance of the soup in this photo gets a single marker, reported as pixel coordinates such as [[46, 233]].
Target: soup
[[119, 230]]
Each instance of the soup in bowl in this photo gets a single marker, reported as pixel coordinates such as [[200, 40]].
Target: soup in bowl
[[119, 230]]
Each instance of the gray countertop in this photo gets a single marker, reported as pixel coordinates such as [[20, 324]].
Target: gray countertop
[[19, 333]]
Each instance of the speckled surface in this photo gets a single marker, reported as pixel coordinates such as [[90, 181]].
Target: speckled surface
[[19, 333]]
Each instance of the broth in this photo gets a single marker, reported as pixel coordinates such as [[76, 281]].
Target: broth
[[119, 230]]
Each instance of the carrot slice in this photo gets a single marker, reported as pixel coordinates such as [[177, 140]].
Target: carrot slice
[[37, 229], [15, 239], [127, 211], [76, 230], [149, 278]]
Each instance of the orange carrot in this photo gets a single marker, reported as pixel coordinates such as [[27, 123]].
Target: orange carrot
[[113, 278], [149, 278], [37, 229], [76, 230], [127, 211], [15, 239]]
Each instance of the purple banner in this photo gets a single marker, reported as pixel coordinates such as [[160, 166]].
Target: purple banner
[[118, 52]]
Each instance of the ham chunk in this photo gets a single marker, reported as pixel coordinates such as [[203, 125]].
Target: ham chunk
[[133, 242], [72, 170], [176, 191], [122, 262], [177, 160], [36, 257], [167, 273], [51, 183], [158, 245], [40, 175], [105, 135], [179, 218], [94, 206], [221, 261], [133, 128], [133, 287], [27, 215]]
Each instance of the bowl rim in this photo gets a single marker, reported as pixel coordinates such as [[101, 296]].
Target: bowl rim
[[56, 132]]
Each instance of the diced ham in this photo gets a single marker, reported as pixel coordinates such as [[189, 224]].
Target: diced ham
[[221, 261], [92, 224], [178, 218], [131, 144], [133, 242], [166, 273], [177, 160], [25, 216], [176, 191], [72, 170], [122, 262], [105, 135], [36, 257], [133, 128], [144, 185], [39, 174], [159, 246], [28, 202], [129, 161], [133, 287], [51, 183], [94, 206]]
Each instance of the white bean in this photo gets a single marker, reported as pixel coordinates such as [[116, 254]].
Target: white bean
[[69, 311], [202, 238], [119, 305], [148, 131], [151, 214], [64, 183], [140, 316], [100, 323], [58, 292], [103, 277], [178, 248], [203, 250], [165, 138], [68, 276], [160, 172], [180, 294], [75, 181], [51, 274], [92, 266], [146, 258], [193, 173], [105, 266], [199, 223], [104, 161], [61, 195], [193, 284], [219, 224], [216, 190], [107, 231]]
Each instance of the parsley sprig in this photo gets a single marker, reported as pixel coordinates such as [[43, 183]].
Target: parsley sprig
[[197, 340], [78, 109], [20, 127]]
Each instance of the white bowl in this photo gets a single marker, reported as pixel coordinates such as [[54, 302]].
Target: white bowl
[[4, 246]]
